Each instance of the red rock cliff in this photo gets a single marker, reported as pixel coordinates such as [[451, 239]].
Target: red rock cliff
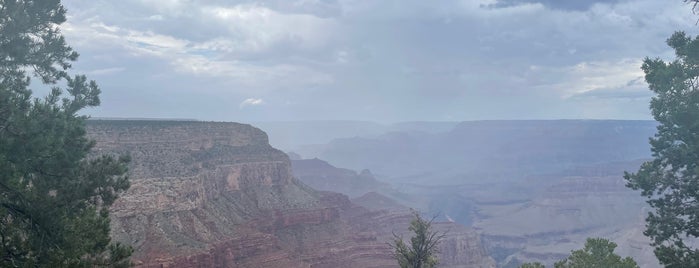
[[210, 194]]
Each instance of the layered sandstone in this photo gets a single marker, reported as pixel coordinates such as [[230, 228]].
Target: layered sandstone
[[210, 194]]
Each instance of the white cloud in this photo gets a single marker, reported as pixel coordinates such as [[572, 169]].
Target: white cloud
[[255, 28], [201, 59], [156, 43], [105, 71], [156, 17], [251, 75], [587, 77], [98, 34], [251, 102], [178, 7]]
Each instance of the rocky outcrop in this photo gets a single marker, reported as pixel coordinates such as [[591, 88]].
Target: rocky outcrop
[[323, 176], [210, 194]]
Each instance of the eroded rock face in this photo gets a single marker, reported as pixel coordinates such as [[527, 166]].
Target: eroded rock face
[[562, 217], [322, 176], [209, 194]]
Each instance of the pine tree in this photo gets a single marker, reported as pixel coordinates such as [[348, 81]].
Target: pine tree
[[597, 253], [532, 265], [54, 195], [422, 250], [671, 180]]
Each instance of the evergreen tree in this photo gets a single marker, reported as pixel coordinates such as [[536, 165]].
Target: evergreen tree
[[597, 253], [54, 195], [422, 250], [671, 180], [532, 265]]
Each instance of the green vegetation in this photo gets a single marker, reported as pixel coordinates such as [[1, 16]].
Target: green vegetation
[[422, 250], [597, 253], [53, 195], [671, 180], [532, 265]]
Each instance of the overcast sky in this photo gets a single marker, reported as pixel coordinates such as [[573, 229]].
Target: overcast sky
[[385, 61]]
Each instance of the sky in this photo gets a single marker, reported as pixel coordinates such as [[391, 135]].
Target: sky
[[373, 60]]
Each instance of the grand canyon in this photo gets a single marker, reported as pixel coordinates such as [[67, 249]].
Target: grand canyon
[[209, 194], [218, 195], [349, 134]]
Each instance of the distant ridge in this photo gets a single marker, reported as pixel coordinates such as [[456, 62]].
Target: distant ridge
[[142, 119]]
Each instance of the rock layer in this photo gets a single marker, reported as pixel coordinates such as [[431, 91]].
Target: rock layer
[[325, 177], [562, 217], [209, 194]]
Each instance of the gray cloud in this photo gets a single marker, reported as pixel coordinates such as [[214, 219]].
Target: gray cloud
[[557, 4], [372, 60]]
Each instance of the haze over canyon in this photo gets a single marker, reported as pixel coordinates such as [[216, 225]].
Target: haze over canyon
[[505, 192]]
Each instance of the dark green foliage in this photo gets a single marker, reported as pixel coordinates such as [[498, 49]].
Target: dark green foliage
[[597, 253], [53, 195], [30, 38], [422, 250], [671, 180], [532, 265]]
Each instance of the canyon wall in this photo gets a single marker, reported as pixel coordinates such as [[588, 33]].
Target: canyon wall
[[206, 194], [534, 189], [562, 217]]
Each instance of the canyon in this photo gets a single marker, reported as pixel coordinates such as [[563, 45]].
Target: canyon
[[211, 194], [534, 190]]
